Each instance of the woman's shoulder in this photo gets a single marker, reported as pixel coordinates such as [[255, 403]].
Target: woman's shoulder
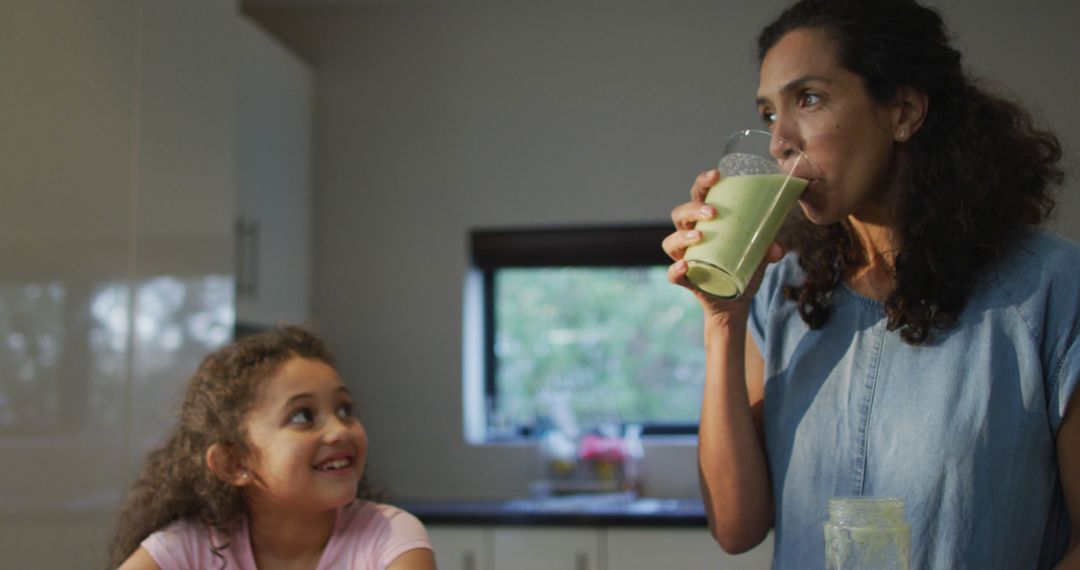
[[1049, 248], [778, 275], [1038, 281], [1041, 260], [784, 272]]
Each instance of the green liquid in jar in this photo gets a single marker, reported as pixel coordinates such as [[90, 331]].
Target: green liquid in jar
[[867, 533]]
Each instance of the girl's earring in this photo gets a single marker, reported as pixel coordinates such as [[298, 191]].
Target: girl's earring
[[901, 135]]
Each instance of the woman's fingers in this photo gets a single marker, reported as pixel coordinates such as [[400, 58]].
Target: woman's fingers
[[687, 215], [676, 274], [675, 244], [702, 183]]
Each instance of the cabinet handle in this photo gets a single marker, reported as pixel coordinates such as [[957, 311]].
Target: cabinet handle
[[468, 560], [582, 561], [247, 257], [240, 254], [253, 277]]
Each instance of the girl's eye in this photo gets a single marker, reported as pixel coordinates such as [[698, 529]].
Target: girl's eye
[[345, 411], [303, 416]]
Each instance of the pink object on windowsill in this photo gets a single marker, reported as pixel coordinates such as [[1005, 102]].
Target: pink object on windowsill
[[598, 448]]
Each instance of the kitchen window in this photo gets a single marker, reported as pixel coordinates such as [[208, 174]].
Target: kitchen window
[[578, 326]]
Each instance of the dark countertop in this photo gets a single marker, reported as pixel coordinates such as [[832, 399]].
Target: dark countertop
[[561, 511]]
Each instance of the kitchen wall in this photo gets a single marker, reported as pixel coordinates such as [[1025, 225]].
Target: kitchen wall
[[437, 117]]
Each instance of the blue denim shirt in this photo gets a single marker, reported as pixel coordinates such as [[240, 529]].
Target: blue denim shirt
[[962, 428]]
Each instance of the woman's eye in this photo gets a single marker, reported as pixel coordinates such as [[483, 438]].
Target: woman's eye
[[768, 118], [810, 99], [302, 417]]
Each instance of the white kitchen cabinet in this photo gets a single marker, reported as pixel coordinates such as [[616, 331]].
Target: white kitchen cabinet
[[678, 549], [542, 548], [461, 547], [273, 181], [117, 172], [64, 224], [182, 208], [477, 547]]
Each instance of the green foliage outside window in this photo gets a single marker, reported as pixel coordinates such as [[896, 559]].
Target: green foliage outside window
[[611, 344]]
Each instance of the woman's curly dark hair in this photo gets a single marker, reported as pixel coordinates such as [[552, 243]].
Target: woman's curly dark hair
[[981, 171], [175, 482]]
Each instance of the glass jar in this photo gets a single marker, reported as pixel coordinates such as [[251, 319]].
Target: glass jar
[[867, 533]]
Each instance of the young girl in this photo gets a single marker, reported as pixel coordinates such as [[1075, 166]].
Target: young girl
[[264, 471]]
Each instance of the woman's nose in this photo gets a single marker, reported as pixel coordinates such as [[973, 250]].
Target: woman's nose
[[780, 149], [784, 145]]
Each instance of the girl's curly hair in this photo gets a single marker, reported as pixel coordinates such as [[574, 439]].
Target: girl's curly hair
[[981, 171], [175, 482]]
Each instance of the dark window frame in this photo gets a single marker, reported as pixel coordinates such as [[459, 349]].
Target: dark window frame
[[591, 246]]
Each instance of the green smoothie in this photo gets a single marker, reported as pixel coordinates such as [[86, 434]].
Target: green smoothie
[[749, 212]]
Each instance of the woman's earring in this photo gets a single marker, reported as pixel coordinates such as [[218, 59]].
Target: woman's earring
[[901, 135]]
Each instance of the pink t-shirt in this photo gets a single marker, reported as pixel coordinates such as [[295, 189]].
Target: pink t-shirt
[[367, 536]]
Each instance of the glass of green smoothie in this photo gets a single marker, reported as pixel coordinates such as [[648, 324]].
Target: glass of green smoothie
[[755, 194]]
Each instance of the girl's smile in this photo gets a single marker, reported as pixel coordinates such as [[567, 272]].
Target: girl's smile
[[336, 464]]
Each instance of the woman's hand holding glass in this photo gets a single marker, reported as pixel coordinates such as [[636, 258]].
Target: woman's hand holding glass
[[685, 217]]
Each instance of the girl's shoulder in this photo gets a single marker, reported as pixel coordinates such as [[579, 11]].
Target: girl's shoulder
[[374, 534], [188, 544], [181, 535], [360, 510], [369, 515]]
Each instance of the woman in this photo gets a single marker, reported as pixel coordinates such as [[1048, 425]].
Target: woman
[[919, 340]]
